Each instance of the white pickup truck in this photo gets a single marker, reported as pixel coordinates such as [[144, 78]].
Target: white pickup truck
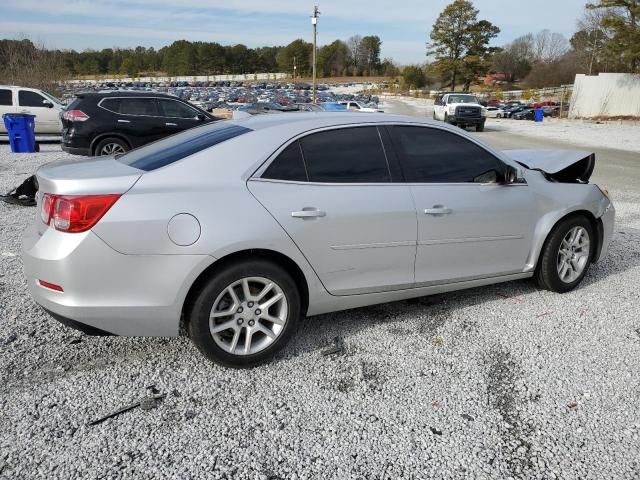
[[353, 106], [461, 109], [36, 102]]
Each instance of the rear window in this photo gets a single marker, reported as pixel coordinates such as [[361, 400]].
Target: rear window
[[176, 147]]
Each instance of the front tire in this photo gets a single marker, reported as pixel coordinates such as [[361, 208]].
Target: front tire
[[480, 127], [245, 313], [566, 255]]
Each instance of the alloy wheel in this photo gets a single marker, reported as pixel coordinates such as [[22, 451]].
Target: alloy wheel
[[573, 255], [248, 316], [111, 149]]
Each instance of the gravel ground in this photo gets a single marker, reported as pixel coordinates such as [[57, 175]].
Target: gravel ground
[[498, 382]]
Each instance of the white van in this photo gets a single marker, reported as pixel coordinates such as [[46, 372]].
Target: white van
[[36, 102]]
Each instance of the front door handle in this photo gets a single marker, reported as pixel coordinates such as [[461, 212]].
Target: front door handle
[[169, 124], [437, 210], [124, 121], [307, 212]]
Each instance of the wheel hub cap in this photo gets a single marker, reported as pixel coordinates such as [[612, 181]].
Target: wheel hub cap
[[573, 254], [248, 316]]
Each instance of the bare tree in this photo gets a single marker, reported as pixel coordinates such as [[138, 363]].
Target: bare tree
[[355, 51], [549, 46], [28, 65]]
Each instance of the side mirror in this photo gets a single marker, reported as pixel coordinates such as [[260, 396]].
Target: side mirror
[[47, 103], [510, 175], [200, 116]]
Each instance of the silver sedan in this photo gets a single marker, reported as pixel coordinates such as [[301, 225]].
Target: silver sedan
[[231, 232]]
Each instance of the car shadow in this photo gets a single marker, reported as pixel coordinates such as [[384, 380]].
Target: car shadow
[[319, 332]]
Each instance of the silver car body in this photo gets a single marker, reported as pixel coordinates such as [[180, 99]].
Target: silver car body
[[132, 272]]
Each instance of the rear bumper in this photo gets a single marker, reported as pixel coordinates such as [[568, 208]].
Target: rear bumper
[[76, 151], [131, 295]]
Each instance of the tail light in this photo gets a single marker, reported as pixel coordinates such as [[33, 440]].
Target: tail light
[[75, 213], [75, 116]]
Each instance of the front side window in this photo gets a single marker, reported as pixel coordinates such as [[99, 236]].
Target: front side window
[[139, 106], [431, 155], [30, 99], [348, 155], [172, 108], [6, 98]]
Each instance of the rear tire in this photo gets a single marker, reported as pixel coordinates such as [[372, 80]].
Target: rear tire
[[111, 146], [564, 261], [250, 337]]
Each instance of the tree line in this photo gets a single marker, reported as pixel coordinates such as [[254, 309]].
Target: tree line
[[460, 52], [357, 56]]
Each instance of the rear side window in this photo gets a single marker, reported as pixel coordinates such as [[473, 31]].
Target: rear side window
[[139, 106], [176, 147], [172, 108], [5, 97], [430, 155], [349, 155], [111, 104], [289, 165], [30, 99]]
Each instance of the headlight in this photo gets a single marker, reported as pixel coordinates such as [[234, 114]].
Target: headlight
[[484, 112], [452, 110]]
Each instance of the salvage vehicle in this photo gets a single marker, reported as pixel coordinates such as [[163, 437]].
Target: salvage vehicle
[[461, 109], [43, 105], [108, 123], [232, 232], [354, 106]]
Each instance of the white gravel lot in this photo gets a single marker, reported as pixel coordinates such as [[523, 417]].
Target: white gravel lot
[[492, 383]]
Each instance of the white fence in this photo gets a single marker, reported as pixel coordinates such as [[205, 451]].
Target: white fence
[[193, 78], [606, 95]]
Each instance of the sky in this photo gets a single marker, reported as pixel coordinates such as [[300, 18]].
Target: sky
[[403, 26]]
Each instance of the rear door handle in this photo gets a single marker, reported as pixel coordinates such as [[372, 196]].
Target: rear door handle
[[309, 213], [437, 210], [124, 121], [169, 124]]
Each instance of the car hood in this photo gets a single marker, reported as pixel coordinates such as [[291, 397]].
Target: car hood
[[568, 166]]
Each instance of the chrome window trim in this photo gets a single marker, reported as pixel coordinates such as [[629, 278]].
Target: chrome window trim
[[257, 174]]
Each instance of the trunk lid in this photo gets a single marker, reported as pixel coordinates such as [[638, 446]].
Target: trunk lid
[[565, 166], [92, 176]]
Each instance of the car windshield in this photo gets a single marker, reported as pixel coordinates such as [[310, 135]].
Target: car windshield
[[52, 98], [176, 147], [462, 99]]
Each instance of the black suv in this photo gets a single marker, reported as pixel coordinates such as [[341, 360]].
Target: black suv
[[115, 122]]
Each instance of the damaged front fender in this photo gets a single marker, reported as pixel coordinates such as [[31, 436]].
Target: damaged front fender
[[564, 166]]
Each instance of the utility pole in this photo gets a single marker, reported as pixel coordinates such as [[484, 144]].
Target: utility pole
[[314, 22]]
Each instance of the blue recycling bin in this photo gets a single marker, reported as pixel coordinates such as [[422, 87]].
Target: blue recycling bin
[[21, 131], [538, 114]]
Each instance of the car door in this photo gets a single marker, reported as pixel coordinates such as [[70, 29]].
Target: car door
[[47, 118], [139, 121], [332, 192], [179, 116], [437, 108], [6, 105], [470, 224]]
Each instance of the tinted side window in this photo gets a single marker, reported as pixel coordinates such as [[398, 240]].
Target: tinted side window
[[30, 99], [138, 106], [429, 155], [348, 155], [111, 104], [289, 165], [5, 97], [172, 108]]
